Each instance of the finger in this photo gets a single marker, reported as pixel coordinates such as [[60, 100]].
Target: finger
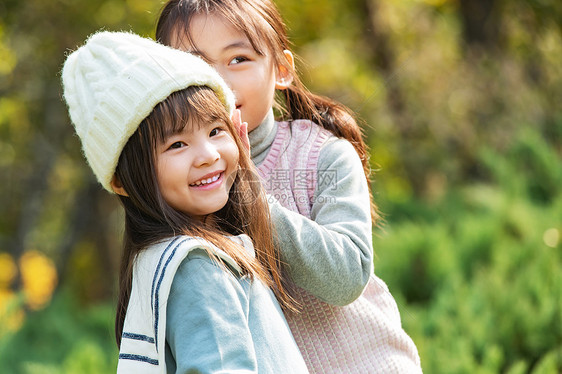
[[244, 135], [236, 118]]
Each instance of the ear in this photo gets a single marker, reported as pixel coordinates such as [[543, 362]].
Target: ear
[[285, 76], [117, 187]]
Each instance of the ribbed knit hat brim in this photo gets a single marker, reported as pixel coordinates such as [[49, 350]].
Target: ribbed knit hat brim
[[112, 83]]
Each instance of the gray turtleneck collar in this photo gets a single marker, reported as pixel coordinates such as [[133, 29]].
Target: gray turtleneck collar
[[261, 138]]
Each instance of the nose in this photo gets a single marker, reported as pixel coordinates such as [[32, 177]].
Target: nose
[[207, 154]]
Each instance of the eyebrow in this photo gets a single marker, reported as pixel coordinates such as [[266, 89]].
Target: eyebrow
[[238, 44]]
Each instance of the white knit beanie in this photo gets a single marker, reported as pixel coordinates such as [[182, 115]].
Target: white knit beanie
[[114, 81]]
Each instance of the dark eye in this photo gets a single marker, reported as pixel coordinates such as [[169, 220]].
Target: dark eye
[[215, 131], [176, 145], [237, 60]]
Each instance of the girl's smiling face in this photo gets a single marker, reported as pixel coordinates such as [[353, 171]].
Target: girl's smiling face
[[196, 167], [250, 75]]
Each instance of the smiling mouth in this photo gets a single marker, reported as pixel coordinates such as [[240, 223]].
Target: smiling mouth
[[206, 181]]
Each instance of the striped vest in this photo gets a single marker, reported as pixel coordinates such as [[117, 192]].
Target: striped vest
[[144, 332]]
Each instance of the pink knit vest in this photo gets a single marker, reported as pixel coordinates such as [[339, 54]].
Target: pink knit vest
[[365, 336]]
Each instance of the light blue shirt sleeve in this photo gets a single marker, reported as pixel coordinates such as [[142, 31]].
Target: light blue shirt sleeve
[[220, 322], [207, 329]]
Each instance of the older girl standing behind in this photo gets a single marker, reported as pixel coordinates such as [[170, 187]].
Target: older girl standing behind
[[155, 128], [315, 164]]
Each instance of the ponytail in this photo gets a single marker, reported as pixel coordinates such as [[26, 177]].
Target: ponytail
[[333, 116]]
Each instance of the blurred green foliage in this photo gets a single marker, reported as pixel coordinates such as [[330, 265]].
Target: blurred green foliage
[[64, 338], [479, 276], [461, 107]]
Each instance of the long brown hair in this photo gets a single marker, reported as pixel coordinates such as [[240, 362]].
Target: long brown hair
[[149, 219], [262, 24]]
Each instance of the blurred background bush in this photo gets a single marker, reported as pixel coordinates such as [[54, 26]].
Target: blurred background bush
[[461, 102]]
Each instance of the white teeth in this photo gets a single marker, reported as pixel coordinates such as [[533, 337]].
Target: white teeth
[[206, 181]]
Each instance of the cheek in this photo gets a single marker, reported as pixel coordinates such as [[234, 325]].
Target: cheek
[[243, 85], [235, 155], [167, 175], [264, 81], [232, 155]]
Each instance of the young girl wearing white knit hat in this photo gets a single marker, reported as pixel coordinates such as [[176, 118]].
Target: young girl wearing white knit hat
[[155, 128]]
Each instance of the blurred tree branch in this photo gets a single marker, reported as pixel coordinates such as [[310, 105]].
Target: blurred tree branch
[[481, 23], [382, 56]]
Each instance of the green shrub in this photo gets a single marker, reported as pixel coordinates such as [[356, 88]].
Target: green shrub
[[480, 287], [63, 338]]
